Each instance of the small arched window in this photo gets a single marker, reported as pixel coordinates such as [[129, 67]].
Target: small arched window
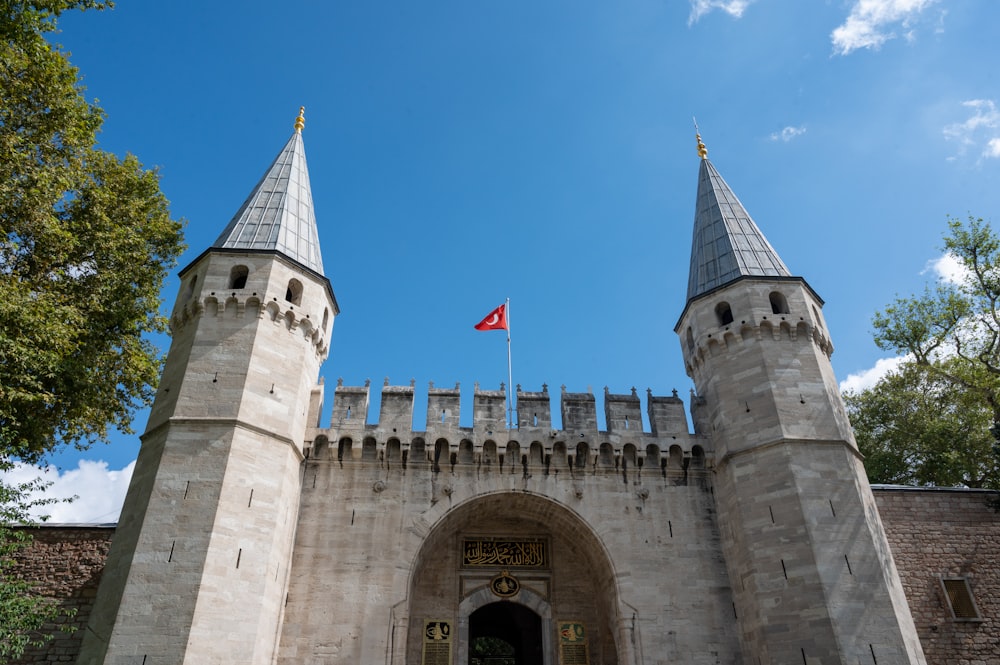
[[294, 292], [326, 317], [690, 339], [725, 313], [778, 303], [238, 277]]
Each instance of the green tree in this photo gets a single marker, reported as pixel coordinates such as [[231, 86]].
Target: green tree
[[86, 242], [916, 428], [952, 332]]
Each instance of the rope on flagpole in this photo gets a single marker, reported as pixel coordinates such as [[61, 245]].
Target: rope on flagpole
[[510, 377]]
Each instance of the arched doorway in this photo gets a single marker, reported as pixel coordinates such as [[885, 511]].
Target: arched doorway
[[505, 633], [571, 580]]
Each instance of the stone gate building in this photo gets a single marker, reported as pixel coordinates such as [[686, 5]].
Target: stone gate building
[[251, 535]]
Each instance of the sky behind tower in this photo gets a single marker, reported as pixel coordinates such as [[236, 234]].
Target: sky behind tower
[[465, 152]]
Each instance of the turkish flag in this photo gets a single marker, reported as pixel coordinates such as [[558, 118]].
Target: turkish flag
[[495, 320]]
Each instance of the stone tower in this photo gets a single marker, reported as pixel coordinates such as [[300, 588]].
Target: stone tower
[[200, 561], [812, 576]]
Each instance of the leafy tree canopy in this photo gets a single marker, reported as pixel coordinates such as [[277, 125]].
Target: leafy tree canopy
[[945, 405], [87, 240], [85, 245], [917, 428]]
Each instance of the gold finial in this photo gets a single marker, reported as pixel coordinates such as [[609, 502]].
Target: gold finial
[[300, 122], [702, 150]]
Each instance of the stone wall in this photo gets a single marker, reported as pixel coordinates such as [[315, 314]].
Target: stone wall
[[932, 532], [937, 533], [67, 562]]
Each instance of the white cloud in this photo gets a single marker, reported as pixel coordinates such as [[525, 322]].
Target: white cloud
[[100, 491], [871, 23], [867, 378], [947, 268], [992, 147], [981, 127], [788, 133], [734, 8]]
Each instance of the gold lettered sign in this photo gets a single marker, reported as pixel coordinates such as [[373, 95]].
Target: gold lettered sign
[[572, 643], [437, 642], [504, 553]]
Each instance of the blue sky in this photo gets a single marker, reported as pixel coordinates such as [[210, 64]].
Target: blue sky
[[465, 152]]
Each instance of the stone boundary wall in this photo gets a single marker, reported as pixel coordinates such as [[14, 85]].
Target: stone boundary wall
[[932, 532], [67, 562], [935, 533]]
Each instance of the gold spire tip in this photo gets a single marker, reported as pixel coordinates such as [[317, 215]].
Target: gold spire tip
[[300, 121], [702, 150]]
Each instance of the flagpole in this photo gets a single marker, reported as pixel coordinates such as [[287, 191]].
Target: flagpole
[[510, 378]]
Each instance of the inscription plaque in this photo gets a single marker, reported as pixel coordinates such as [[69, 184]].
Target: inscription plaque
[[437, 642], [572, 643], [505, 553]]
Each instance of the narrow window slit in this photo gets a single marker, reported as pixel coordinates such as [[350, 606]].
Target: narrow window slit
[[251, 498], [804, 657], [670, 526], [187, 486], [872, 648], [170, 557], [783, 570], [352, 518], [239, 555], [849, 571], [769, 510], [834, 512]]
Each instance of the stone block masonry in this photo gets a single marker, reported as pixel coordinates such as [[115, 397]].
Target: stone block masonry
[[940, 533], [66, 563]]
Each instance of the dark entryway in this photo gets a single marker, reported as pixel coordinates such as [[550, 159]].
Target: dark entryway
[[505, 633]]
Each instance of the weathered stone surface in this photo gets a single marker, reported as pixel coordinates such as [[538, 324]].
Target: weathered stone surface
[[937, 533], [66, 564]]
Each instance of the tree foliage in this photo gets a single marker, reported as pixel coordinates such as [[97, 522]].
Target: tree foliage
[[87, 240], [85, 245], [917, 428], [952, 334]]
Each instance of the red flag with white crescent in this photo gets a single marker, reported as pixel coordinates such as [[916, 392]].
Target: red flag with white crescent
[[495, 320]]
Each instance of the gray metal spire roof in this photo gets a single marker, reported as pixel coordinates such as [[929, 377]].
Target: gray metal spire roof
[[278, 215], [727, 244]]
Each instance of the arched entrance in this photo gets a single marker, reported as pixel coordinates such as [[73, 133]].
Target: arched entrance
[[505, 633], [504, 569]]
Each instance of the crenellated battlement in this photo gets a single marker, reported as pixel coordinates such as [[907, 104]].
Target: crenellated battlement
[[239, 305], [729, 338], [580, 444]]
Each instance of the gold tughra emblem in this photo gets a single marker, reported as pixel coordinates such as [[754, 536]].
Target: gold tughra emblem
[[505, 585]]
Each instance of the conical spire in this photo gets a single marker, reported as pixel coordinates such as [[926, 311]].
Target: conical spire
[[727, 244], [278, 215]]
